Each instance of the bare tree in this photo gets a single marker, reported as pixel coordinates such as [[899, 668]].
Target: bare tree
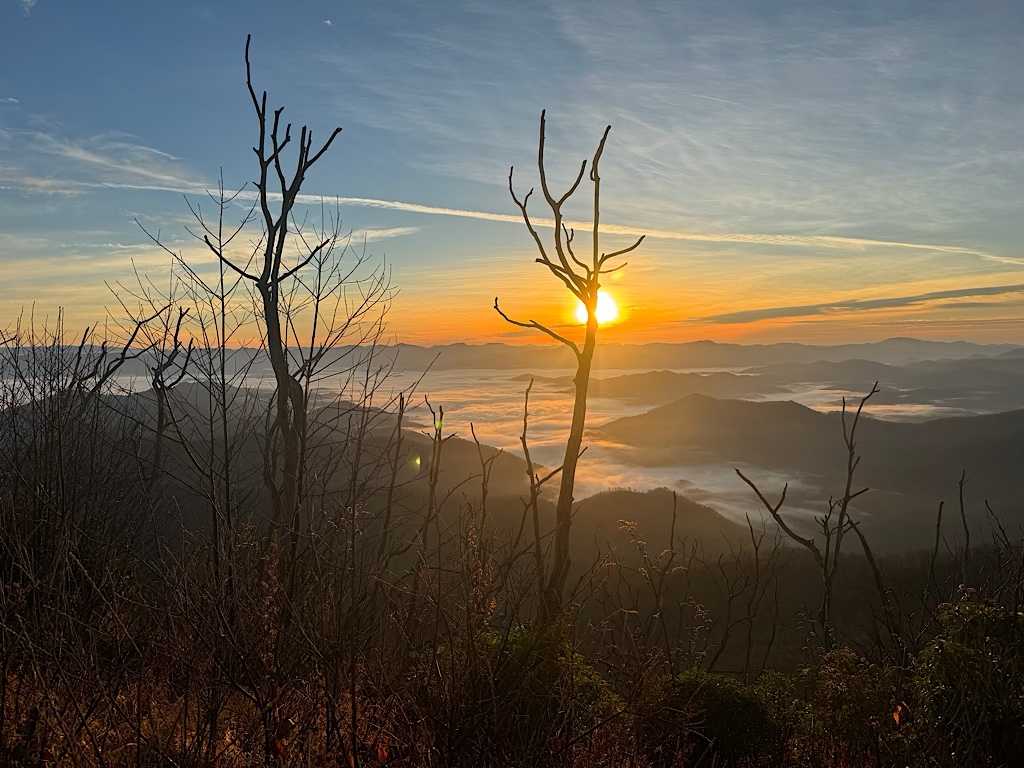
[[827, 559], [317, 305], [583, 280], [283, 293]]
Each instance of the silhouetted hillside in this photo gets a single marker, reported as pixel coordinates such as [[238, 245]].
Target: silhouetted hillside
[[844, 373], [985, 384], [665, 386], [599, 517], [698, 428], [909, 466]]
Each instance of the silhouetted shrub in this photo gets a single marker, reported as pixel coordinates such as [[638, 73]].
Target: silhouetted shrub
[[708, 719], [508, 697], [970, 681], [846, 714]]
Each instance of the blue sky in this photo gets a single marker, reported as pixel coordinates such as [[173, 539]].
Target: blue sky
[[815, 171]]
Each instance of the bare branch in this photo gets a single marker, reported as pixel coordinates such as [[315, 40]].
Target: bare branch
[[227, 262], [534, 324], [608, 256], [773, 510], [304, 262]]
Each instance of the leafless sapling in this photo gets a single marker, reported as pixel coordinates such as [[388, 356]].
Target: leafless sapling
[[582, 278], [827, 558]]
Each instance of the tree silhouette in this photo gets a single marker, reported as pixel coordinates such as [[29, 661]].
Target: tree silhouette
[[583, 280]]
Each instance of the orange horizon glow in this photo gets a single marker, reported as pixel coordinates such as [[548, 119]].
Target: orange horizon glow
[[607, 309], [659, 299]]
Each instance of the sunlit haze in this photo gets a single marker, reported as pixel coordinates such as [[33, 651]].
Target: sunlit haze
[[607, 310], [823, 172]]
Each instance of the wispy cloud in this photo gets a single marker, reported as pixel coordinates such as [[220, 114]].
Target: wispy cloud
[[34, 160], [27, 6], [46, 162], [376, 235], [328, 23], [805, 120], [162, 176], [116, 157], [856, 305], [11, 100]]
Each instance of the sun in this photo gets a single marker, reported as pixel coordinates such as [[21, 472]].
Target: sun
[[607, 311]]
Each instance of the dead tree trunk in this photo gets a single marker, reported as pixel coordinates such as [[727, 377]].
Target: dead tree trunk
[[289, 408], [583, 280]]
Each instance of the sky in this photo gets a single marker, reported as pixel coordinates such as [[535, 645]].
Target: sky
[[822, 171]]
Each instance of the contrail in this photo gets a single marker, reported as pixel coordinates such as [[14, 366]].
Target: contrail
[[798, 241]]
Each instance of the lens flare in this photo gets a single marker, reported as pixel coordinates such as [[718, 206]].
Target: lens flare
[[606, 309]]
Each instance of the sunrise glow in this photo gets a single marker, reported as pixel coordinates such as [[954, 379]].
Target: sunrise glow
[[607, 311], [766, 217]]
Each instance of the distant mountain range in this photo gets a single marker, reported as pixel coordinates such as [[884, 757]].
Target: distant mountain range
[[971, 385], [909, 466], [695, 354], [642, 357], [740, 416]]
